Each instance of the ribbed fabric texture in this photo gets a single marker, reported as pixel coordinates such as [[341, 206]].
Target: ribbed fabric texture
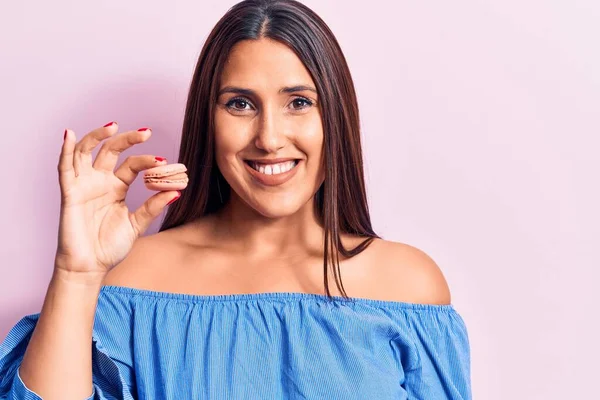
[[158, 345]]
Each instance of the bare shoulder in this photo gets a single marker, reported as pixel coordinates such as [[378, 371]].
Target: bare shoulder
[[406, 273], [146, 261]]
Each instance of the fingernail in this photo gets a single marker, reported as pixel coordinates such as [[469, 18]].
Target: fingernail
[[143, 129], [178, 196], [65, 135], [110, 123], [159, 159]]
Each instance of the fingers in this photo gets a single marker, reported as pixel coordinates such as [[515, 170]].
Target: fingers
[[133, 165], [76, 157], [112, 148], [147, 212], [82, 157], [66, 172]]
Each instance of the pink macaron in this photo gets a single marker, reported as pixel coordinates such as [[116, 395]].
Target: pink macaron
[[166, 177]]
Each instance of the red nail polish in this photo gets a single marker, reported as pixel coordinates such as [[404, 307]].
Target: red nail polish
[[64, 137], [159, 158], [143, 129], [178, 196], [109, 124]]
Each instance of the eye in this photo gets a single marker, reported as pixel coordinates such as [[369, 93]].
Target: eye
[[237, 101], [300, 100], [239, 104]]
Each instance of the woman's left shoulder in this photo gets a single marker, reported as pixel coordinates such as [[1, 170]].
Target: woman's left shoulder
[[406, 273]]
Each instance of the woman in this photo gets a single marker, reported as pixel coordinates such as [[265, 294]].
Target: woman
[[231, 298]]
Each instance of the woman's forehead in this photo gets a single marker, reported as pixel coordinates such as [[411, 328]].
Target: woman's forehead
[[264, 64]]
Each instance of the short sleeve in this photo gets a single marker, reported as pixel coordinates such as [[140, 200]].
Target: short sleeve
[[443, 370], [112, 366]]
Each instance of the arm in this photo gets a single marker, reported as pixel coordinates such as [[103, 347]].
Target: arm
[[96, 232], [443, 371], [439, 363], [58, 361]]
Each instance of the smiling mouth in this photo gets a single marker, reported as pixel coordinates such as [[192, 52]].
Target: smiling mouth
[[272, 169]]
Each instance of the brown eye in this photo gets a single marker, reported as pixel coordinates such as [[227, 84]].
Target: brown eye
[[302, 101], [239, 102]]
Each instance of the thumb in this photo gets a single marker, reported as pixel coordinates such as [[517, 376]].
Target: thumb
[[147, 212]]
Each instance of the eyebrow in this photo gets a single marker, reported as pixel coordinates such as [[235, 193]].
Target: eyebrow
[[250, 92]]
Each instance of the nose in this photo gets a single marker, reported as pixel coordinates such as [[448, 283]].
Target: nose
[[270, 136]]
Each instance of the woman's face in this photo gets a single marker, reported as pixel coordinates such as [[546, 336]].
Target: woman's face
[[267, 108]]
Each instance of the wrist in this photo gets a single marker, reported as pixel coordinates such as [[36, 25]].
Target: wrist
[[78, 278]]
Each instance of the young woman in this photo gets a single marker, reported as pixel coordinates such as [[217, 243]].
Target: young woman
[[232, 298]]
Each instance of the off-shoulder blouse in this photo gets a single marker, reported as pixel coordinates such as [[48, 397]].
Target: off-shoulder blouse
[[281, 345]]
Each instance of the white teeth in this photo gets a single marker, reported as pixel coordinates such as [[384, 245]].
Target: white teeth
[[274, 169]]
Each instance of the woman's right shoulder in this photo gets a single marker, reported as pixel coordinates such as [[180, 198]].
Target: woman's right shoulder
[[152, 256]]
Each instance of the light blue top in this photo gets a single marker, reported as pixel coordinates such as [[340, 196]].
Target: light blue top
[[159, 345]]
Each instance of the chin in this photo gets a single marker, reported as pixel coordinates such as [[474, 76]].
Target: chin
[[276, 209], [275, 214]]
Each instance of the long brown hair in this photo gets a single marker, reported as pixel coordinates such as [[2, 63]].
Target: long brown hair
[[340, 202]]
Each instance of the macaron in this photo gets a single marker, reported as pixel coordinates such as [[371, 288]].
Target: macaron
[[166, 177]]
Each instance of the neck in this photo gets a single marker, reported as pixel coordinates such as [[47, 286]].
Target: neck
[[243, 228]]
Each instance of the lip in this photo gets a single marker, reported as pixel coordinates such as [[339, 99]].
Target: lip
[[272, 160], [272, 180]]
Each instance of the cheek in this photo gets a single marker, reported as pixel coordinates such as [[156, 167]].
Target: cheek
[[313, 142], [230, 138], [310, 138]]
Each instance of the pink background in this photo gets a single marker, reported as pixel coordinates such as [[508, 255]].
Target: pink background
[[480, 122]]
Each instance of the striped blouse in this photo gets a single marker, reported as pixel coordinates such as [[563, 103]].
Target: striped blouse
[[160, 345]]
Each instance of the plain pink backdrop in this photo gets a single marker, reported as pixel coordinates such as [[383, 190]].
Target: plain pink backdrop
[[480, 125]]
